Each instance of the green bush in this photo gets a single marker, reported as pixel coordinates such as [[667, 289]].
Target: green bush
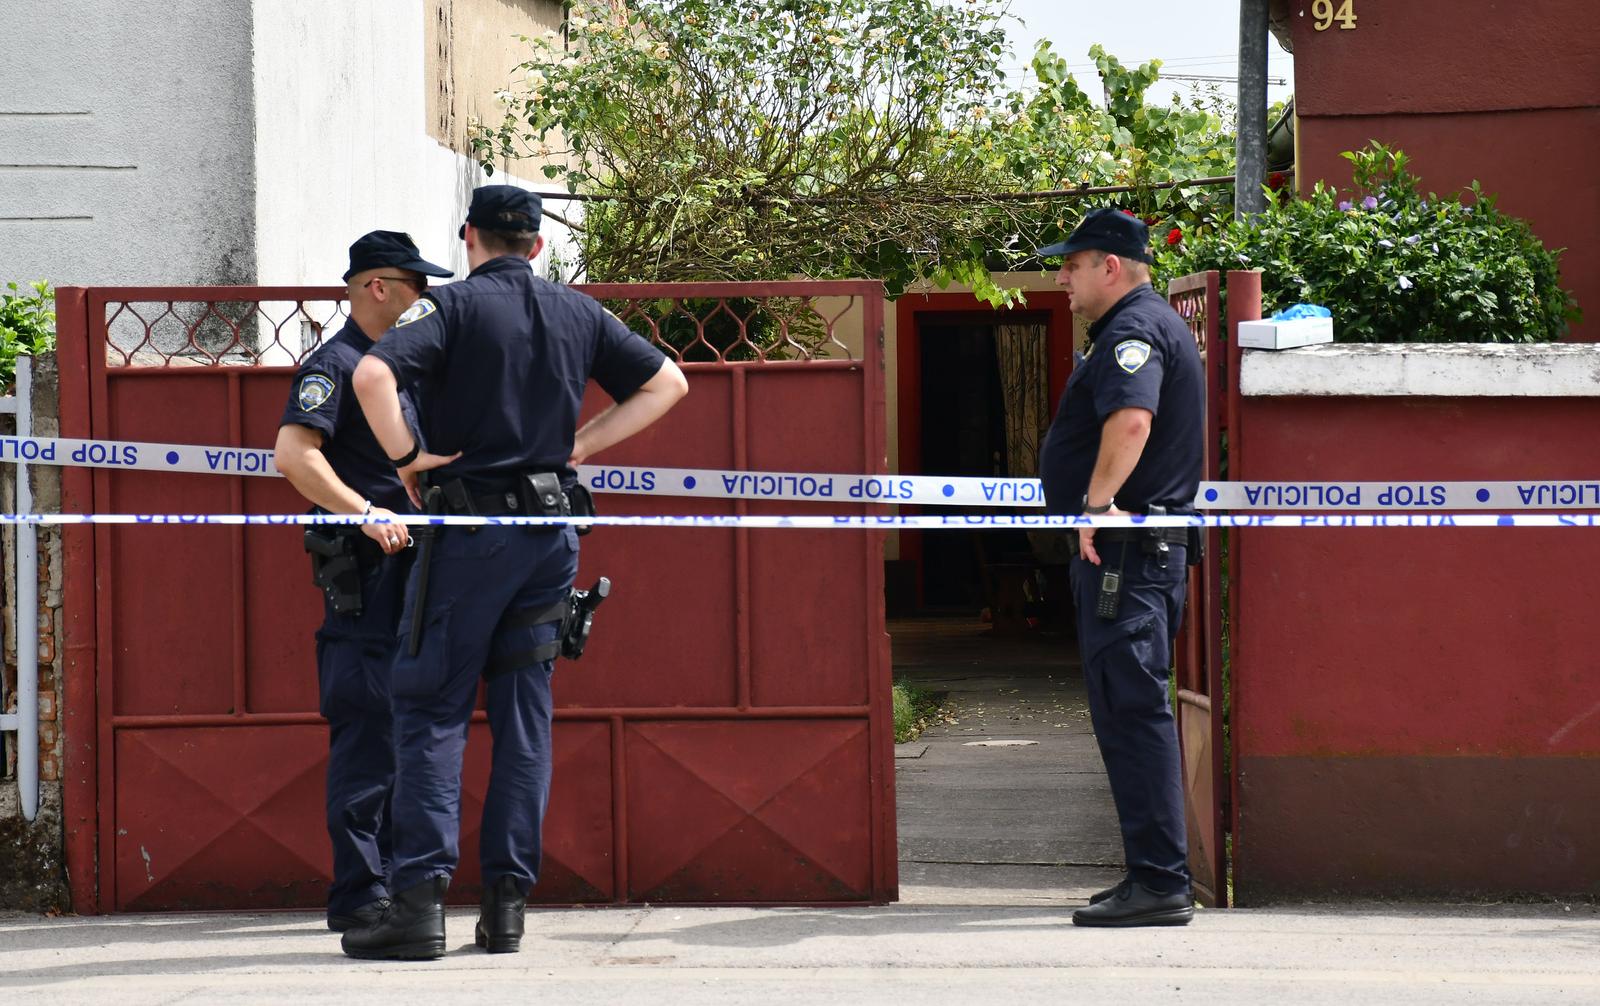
[[27, 326], [1392, 264]]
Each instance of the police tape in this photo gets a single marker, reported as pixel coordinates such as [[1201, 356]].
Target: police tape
[[921, 490], [872, 522]]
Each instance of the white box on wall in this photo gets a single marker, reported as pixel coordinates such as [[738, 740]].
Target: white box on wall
[[1269, 334]]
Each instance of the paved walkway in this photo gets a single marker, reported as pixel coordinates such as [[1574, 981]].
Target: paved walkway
[[1009, 806], [896, 955]]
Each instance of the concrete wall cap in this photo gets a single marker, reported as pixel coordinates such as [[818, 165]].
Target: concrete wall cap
[[1430, 370]]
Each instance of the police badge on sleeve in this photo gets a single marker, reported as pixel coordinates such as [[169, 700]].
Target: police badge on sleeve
[[314, 389], [1132, 354], [416, 312]]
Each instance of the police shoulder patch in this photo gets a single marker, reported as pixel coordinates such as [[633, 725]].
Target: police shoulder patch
[[1131, 354], [313, 390], [416, 312]]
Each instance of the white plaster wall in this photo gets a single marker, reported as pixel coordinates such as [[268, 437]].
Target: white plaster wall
[[132, 120], [1449, 370], [341, 142]]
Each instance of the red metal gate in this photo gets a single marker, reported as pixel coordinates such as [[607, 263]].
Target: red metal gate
[[727, 739], [1201, 688]]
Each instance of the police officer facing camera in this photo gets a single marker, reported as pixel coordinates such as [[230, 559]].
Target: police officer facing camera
[[500, 361], [329, 455], [1127, 438]]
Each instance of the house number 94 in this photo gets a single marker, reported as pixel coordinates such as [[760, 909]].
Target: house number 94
[[1327, 14]]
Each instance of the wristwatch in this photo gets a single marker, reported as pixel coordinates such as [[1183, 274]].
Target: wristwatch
[[1093, 510]]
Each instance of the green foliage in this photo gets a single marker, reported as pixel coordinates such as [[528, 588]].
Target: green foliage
[[27, 326], [829, 138], [1059, 138], [1393, 264], [915, 709]]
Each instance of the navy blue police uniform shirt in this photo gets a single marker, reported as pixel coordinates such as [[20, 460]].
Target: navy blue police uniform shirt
[[321, 398], [502, 358], [1141, 356]]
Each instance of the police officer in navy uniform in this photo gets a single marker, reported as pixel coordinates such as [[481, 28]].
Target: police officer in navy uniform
[[500, 361], [1127, 438], [328, 453]]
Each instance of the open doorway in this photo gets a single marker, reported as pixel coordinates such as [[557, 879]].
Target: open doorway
[[984, 382], [1007, 804]]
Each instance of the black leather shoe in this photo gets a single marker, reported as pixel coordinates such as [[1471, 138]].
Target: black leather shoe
[[1137, 905], [367, 915], [1110, 892], [411, 929], [500, 920]]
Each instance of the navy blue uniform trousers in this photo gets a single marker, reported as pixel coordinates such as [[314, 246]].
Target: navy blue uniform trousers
[[1126, 665], [479, 578], [354, 655]]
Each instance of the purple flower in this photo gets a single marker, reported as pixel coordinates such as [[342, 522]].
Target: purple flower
[[1413, 239], [1346, 206], [1369, 203], [1385, 243]]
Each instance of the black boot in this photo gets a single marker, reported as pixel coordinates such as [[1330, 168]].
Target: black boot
[[411, 930], [500, 921], [1110, 892], [1137, 905], [367, 915]]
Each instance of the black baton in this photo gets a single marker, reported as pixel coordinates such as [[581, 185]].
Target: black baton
[[419, 603]]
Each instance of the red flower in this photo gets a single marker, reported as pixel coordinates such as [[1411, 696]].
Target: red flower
[[1174, 236], [1151, 221], [1129, 213], [1275, 180]]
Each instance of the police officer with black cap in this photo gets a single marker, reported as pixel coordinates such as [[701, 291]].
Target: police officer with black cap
[[501, 360], [1127, 438], [328, 453]]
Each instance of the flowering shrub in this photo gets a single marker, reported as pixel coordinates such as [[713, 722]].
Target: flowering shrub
[[1392, 264]]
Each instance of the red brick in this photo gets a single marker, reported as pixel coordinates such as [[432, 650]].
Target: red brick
[[49, 769], [47, 707]]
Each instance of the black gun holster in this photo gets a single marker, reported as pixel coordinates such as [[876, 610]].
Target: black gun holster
[[338, 559]]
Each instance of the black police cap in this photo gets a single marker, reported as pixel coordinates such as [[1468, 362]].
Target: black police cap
[[1106, 230], [503, 208], [391, 250]]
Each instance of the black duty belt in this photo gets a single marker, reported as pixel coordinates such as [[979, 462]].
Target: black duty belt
[[1171, 535]]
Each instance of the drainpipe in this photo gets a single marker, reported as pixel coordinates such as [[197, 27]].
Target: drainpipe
[[27, 611], [1250, 171]]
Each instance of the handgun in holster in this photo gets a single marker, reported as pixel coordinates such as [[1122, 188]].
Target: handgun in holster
[[1157, 541], [335, 567]]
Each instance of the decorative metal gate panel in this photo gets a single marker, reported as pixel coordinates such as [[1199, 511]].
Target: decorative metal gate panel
[[727, 738]]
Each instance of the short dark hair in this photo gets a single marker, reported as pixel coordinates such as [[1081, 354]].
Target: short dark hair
[[508, 242]]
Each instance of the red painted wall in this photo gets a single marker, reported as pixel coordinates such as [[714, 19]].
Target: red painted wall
[[1504, 93], [1418, 710]]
